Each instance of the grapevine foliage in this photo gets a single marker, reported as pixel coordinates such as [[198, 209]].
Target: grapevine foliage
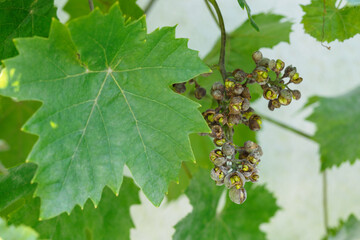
[[110, 220], [21, 18], [326, 22], [348, 230], [339, 134], [78, 8], [233, 221], [16, 233], [12, 117], [108, 103]]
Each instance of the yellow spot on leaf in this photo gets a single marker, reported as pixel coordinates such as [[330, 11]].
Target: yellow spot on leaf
[[53, 125]]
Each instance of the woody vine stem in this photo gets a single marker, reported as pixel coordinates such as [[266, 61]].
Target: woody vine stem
[[220, 23]]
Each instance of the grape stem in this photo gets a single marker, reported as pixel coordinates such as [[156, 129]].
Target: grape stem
[[212, 12], [91, 5], [223, 39], [148, 6]]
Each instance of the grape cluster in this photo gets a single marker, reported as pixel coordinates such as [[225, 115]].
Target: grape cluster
[[236, 165], [275, 90]]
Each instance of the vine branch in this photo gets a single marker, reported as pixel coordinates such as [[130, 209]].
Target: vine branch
[[212, 12], [223, 39], [149, 5], [287, 127], [325, 202], [91, 5]]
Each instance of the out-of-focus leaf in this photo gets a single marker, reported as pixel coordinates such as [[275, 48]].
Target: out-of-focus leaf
[[106, 103], [233, 221], [110, 220], [78, 8], [16, 233], [16, 184], [326, 22], [338, 129], [13, 116], [19, 18], [349, 230]]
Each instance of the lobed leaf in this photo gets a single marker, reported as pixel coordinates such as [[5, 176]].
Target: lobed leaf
[[349, 230], [106, 103], [78, 8], [338, 131], [110, 220], [326, 22], [19, 18]]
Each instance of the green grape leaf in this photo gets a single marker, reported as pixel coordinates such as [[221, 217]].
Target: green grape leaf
[[233, 221], [240, 45], [19, 18], [328, 22], [78, 8], [110, 220], [349, 230], [243, 4], [12, 116], [338, 132], [16, 233], [16, 184], [107, 103]]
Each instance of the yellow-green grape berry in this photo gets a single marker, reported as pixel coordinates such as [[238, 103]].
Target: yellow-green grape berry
[[237, 195], [239, 75], [270, 93], [228, 149], [250, 146], [233, 179], [248, 113], [261, 75], [179, 87], [255, 122], [285, 97], [209, 115], [219, 142], [200, 92], [296, 79], [279, 65], [246, 93], [220, 118], [217, 174], [272, 64], [229, 83], [257, 56], [216, 131], [234, 119], [296, 94]]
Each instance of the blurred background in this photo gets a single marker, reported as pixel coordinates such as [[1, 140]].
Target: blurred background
[[290, 167]]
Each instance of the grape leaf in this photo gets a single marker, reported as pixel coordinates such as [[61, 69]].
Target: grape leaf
[[338, 131], [12, 116], [78, 8], [19, 18], [241, 43], [349, 230], [243, 4], [16, 184], [16, 233], [328, 22], [110, 220], [107, 103], [233, 222]]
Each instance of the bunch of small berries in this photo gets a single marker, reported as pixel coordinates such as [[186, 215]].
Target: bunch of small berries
[[234, 165]]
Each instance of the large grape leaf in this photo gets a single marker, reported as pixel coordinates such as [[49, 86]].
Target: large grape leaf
[[240, 45], [328, 22], [78, 8], [110, 220], [19, 18], [12, 116], [15, 186], [349, 230], [16, 233], [106, 102], [338, 130], [233, 221]]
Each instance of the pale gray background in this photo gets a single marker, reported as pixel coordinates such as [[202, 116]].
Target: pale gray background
[[290, 165]]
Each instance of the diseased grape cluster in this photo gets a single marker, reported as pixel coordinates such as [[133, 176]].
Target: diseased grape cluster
[[235, 165]]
